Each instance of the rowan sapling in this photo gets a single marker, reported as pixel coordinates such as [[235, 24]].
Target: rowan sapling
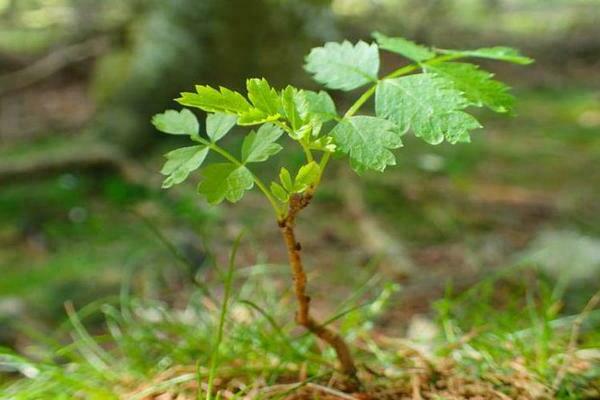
[[429, 97]]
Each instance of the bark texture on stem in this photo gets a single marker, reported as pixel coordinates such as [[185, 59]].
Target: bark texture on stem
[[303, 317]]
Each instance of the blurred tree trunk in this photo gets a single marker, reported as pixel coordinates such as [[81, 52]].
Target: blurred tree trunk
[[179, 43]]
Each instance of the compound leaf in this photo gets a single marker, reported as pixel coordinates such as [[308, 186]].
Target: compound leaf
[[428, 104], [259, 146], [343, 65], [500, 53], [367, 141], [404, 47], [211, 100], [219, 124], [181, 162], [182, 122], [225, 181], [477, 85]]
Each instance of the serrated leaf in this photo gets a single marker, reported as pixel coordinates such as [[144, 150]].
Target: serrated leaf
[[219, 124], [306, 176], [501, 53], [212, 100], [279, 192], [182, 122], [266, 102], [292, 102], [367, 141], [428, 105], [225, 181], [255, 116], [259, 146], [286, 179], [181, 162], [319, 106], [477, 85], [404, 47], [263, 96], [343, 65]]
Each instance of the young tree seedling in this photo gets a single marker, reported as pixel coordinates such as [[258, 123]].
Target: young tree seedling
[[430, 97]]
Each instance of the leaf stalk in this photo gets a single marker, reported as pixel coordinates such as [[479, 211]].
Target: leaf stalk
[[259, 183]]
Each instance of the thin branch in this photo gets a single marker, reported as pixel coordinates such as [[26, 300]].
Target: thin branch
[[572, 346], [296, 204], [65, 158], [51, 64], [330, 391]]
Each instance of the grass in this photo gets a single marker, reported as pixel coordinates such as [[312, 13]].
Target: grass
[[227, 282], [149, 348]]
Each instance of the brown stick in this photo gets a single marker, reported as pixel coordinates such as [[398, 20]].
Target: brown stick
[[303, 317], [66, 157]]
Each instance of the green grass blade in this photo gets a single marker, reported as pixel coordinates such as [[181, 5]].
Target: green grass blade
[[214, 362]]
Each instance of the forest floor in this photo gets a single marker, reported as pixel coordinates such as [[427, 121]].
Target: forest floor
[[507, 227]]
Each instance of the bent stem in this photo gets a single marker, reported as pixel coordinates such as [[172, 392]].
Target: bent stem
[[296, 204]]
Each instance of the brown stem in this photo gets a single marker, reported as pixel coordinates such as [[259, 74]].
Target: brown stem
[[303, 317]]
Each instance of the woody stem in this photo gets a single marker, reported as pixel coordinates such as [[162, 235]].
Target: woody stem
[[303, 317]]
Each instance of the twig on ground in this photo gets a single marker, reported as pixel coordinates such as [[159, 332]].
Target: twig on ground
[[331, 391], [51, 64], [572, 346], [97, 155], [416, 387]]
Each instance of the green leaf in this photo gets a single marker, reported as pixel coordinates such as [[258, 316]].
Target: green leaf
[[259, 146], [317, 105], [292, 102], [367, 141], [225, 181], [286, 179], [307, 176], [404, 47], [279, 192], [263, 96], [266, 102], [303, 132], [501, 53], [182, 122], [255, 116], [219, 124], [343, 65], [181, 162], [324, 143], [477, 85], [212, 100], [427, 104]]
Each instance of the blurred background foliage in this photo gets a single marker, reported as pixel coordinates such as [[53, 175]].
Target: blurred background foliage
[[80, 204]]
